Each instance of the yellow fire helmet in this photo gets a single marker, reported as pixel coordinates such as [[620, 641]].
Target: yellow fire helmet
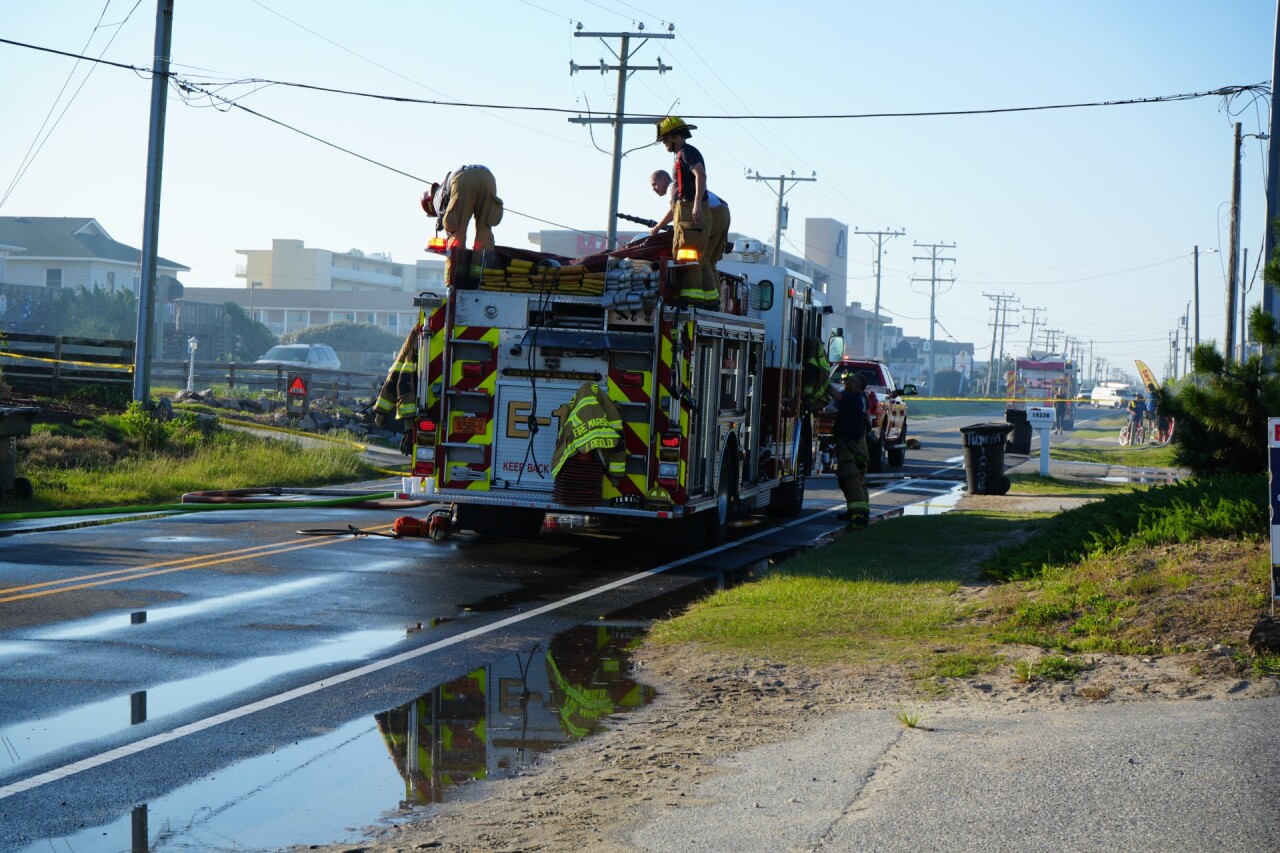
[[670, 124]]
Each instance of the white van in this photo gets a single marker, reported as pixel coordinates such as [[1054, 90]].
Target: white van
[[1111, 397]]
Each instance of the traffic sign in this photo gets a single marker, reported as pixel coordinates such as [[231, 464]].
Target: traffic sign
[[297, 387]]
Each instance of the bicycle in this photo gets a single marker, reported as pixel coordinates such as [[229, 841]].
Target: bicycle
[[1132, 434]]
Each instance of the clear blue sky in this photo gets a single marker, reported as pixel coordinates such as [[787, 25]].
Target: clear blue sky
[[1090, 214]]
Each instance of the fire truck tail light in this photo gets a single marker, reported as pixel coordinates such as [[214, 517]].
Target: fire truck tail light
[[426, 426], [472, 369], [671, 441], [631, 379], [684, 255], [425, 454], [667, 473]]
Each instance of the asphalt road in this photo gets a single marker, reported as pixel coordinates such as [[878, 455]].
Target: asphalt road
[[217, 679]]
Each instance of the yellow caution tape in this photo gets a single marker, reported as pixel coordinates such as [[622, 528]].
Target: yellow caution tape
[[8, 354]]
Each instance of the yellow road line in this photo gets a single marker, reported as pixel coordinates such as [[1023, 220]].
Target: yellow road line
[[118, 575]]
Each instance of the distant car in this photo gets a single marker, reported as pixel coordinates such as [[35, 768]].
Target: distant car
[[309, 356]]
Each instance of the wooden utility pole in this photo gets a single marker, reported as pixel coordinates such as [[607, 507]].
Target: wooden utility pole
[[624, 69], [1233, 258], [879, 237], [778, 223], [933, 259], [151, 208]]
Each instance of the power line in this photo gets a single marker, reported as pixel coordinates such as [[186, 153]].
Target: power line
[[1224, 91]]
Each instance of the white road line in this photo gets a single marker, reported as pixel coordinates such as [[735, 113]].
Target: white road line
[[145, 744]]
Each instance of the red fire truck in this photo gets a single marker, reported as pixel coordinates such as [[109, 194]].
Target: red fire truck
[[691, 417]]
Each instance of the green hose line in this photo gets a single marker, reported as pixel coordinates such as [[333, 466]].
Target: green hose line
[[176, 508]]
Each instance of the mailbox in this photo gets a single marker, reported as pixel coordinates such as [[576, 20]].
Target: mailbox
[[1040, 417]]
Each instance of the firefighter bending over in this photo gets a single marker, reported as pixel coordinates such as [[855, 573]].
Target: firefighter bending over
[[466, 193], [850, 432]]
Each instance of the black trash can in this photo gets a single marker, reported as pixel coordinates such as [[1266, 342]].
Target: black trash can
[[1020, 441], [984, 458], [14, 423]]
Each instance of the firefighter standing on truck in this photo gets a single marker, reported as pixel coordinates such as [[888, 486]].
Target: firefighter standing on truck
[[850, 433], [691, 219], [466, 193], [717, 233]]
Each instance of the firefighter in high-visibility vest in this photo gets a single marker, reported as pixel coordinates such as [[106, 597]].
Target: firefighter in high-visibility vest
[[815, 375], [398, 397], [850, 433], [594, 423]]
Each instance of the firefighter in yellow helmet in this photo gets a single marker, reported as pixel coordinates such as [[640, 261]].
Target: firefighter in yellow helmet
[[692, 221]]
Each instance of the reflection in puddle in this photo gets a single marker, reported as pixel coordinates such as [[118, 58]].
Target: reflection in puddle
[[27, 740], [938, 504], [485, 725], [1144, 478], [495, 719]]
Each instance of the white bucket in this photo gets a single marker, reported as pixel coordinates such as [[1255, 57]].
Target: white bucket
[[418, 486]]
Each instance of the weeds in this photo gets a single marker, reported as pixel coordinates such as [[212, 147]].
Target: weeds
[[909, 719], [1051, 668]]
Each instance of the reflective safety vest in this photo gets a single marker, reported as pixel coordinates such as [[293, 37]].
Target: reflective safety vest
[[593, 424], [398, 397], [816, 376]]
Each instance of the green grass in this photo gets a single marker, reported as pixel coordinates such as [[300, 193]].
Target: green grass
[[1051, 668], [1149, 456], [922, 408], [114, 461], [1034, 484]]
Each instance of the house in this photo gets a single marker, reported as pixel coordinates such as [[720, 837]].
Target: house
[[40, 254]]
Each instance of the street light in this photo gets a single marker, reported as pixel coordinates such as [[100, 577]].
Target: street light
[[253, 285], [1196, 252], [193, 344]]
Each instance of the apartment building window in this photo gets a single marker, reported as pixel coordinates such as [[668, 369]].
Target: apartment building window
[[53, 278], [371, 318], [393, 322], [345, 317], [295, 320]]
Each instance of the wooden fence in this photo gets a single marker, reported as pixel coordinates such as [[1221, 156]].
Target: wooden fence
[[53, 364]]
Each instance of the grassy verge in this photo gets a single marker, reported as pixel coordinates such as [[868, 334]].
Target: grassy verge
[[923, 408], [1143, 570], [124, 460], [1133, 457]]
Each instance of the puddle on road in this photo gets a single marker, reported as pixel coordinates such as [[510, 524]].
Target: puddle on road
[[489, 724], [939, 504], [34, 738], [1143, 478]]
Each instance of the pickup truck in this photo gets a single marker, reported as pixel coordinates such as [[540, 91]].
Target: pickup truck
[[887, 427]]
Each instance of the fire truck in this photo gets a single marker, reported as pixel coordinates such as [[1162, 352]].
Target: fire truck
[[1040, 380], [704, 406]]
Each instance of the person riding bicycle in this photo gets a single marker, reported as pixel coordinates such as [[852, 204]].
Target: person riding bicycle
[[1137, 412]]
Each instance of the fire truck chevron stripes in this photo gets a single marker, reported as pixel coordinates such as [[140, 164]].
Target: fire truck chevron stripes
[[632, 387]]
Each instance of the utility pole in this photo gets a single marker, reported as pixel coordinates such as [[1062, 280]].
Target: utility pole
[[1244, 274], [624, 54], [997, 323], [879, 237], [933, 259], [780, 191], [151, 207], [1233, 259], [1031, 338], [1003, 324], [1186, 347], [1269, 301]]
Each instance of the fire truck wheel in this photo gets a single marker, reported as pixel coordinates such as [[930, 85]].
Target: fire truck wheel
[[898, 453], [508, 522], [788, 499], [720, 519], [875, 455]]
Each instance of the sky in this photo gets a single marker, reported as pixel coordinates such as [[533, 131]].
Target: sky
[[1090, 216]]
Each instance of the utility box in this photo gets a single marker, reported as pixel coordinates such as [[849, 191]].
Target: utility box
[[14, 423]]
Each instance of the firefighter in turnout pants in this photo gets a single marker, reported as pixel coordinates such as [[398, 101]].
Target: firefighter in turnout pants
[[850, 433], [466, 193]]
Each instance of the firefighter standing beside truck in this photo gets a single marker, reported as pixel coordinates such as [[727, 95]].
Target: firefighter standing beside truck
[[690, 218], [850, 433], [466, 193]]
